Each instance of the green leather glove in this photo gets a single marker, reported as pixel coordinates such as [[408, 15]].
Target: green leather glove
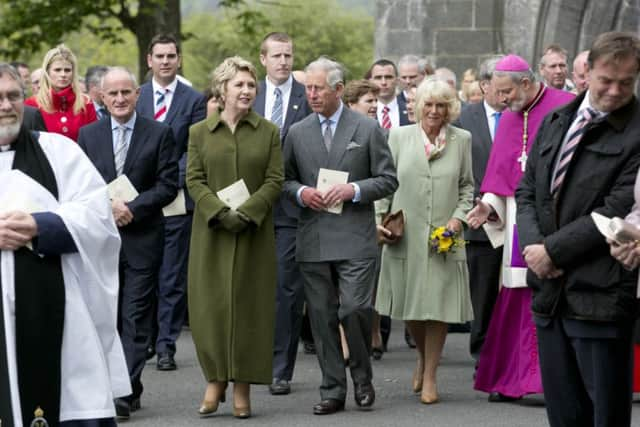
[[233, 221]]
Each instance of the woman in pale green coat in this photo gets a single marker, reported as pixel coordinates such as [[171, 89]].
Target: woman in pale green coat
[[424, 288]]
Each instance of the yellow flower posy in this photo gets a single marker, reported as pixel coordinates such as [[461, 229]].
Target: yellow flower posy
[[443, 240]]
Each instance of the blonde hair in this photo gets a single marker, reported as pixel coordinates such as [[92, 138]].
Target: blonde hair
[[228, 70], [59, 53], [439, 91]]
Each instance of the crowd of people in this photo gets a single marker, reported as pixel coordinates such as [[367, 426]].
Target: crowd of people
[[261, 203]]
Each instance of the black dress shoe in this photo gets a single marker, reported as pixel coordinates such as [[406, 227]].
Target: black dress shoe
[[135, 404], [364, 395], [499, 397], [328, 406], [376, 353], [150, 352], [409, 339], [279, 387], [166, 362], [309, 347], [123, 409]]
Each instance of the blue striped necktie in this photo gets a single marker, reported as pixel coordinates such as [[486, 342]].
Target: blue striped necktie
[[276, 113]]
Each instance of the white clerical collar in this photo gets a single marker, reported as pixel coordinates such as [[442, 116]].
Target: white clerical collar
[[285, 87], [157, 86], [4, 148]]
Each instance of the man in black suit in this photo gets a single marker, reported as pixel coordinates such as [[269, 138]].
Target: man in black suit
[[392, 109], [33, 119], [585, 158], [167, 100], [144, 151], [481, 119], [411, 72], [282, 100]]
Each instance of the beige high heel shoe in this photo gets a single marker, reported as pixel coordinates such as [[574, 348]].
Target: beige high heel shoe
[[241, 390], [209, 407]]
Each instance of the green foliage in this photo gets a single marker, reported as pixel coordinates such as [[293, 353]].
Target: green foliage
[[318, 27]]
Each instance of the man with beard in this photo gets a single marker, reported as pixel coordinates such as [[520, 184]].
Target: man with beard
[[61, 360], [511, 338]]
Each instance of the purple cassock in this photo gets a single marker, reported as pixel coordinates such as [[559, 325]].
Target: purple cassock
[[508, 361]]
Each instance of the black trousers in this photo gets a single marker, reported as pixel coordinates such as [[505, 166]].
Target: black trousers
[[484, 264], [586, 372]]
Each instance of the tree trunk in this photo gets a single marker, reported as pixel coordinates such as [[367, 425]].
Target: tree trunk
[[154, 17]]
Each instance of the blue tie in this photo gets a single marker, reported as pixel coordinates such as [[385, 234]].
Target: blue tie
[[496, 117], [276, 114]]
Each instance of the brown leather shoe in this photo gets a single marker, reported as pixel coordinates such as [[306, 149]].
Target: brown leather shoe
[[328, 406], [364, 395]]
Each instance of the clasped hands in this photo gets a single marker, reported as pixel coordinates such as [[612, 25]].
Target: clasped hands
[[319, 201], [121, 212], [540, 263], [17, 228], [233, 220]]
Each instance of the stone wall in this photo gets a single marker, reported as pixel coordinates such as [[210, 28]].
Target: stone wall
[[461, 33]]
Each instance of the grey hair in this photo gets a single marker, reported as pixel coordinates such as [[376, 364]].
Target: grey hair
[[446, 75], [487, 67], [94, 74], [517, 76], [110, 70], [6, 68], [409, 60], [334, 70]]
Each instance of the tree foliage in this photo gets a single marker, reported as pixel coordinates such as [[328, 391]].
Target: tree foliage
[[31, 25], [318, 27]]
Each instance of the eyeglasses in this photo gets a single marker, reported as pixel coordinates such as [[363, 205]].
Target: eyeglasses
[[12, 97]]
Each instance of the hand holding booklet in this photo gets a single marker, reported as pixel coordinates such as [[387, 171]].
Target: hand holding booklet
[[235, 194], [121, 188], [616, 229], [327, 178]]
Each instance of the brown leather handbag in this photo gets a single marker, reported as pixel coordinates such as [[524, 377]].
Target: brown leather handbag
[[394, 222]]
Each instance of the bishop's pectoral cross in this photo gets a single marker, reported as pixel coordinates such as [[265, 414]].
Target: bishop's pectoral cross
[[523, 161]]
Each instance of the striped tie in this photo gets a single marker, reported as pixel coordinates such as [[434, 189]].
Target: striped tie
[[386, 120], [120, 150], [276, 114], [575, 135], [161, 105]]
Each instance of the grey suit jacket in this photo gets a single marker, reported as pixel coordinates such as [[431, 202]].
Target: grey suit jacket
[[360, 148], [474, 119]]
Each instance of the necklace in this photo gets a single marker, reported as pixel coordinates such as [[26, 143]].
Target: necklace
[[525, 134]]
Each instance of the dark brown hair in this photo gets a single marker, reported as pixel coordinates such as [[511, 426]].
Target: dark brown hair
[[614, 46]]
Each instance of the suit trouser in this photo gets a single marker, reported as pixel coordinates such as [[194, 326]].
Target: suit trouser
[[135, 316], [484, 264], [586, 380], [289, 305], [172, 283], [340, 291]]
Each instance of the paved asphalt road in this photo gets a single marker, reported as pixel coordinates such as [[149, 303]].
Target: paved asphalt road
[[172, 398]]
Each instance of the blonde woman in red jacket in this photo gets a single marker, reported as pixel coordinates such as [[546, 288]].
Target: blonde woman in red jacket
[[64, 108]]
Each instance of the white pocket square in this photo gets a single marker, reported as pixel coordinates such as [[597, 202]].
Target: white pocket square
[[353, 145]]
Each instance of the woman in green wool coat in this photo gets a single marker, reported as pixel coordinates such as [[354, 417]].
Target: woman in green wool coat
[[232, 262]]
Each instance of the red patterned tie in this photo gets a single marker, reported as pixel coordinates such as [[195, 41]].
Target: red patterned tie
[[576, 132], [386, 120], [161, 105]]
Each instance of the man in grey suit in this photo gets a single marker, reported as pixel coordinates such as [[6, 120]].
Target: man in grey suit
[[481, 119], [337, 252], [282, 100]]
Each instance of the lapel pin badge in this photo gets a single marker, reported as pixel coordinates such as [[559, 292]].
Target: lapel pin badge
[[295, 107]]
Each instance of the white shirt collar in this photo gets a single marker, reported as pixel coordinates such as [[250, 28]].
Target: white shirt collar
[[171, 86], [586, 103], [285, 87], [129, 123], [334, 117]]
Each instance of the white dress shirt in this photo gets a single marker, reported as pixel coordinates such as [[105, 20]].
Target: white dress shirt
[[394, 112], [168, 97], [269, 97]]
